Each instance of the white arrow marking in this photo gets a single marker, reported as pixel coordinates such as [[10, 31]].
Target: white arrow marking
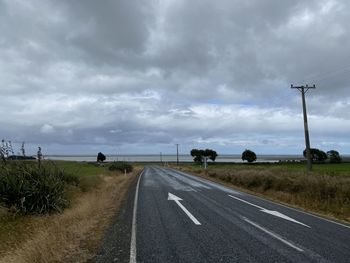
[[177, 200], [271, 212]]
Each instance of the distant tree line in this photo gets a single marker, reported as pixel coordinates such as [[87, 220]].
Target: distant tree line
[[320, 156], [317, 155]]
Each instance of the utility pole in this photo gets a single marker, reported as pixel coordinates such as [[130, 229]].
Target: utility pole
[[303, 90], [177, 154]]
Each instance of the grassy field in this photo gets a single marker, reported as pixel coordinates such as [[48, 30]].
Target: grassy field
[[81, 168], [330, 168], [326, 190], [74, 234]]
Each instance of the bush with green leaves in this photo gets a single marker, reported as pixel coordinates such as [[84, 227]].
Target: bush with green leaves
[[334, 156], [249, 156], [27, 189], [121, 167], [317, 155]]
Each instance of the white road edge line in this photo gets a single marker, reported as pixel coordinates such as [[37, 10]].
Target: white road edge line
[[273, 234], [133, 228], [244, 201]]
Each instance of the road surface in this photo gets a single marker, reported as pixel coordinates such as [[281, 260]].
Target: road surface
[[183, 218]]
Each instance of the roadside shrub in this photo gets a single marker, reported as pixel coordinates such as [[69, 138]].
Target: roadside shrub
[[121, 167], [27, 189]]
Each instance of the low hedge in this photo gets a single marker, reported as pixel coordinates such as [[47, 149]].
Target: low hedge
[[121, 167]]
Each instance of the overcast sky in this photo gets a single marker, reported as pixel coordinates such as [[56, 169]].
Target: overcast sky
[[138, 76]]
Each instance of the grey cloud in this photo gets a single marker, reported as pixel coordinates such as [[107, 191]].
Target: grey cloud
[[114, 33]]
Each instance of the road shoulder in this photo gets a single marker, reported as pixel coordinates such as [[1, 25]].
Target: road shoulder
[[115, 246]]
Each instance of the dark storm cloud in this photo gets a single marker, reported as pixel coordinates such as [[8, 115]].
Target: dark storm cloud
[[114, 32], [151, 73]]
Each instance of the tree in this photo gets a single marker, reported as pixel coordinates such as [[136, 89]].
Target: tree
[[211, 154], [334, 156], [197, 154], [249, 156], [101, 157], [200, 154], [317, 155]]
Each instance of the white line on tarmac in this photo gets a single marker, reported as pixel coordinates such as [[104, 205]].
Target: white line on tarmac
[[244, 201], [177, 200], [133, 229], [271, 212], [306, 213], [273, 235]]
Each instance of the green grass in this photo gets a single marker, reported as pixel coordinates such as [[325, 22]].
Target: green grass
[[87, 173], [327, 168], [80, 168], [341, 168]]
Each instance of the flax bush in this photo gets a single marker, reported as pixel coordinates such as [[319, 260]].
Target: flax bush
[[27, 189]]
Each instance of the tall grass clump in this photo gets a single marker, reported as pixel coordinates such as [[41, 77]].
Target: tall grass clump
[[26, 188]]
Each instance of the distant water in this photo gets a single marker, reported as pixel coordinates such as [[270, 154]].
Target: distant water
[[170, 158]]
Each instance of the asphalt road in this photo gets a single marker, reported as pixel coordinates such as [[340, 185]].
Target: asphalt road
[[213, 223]]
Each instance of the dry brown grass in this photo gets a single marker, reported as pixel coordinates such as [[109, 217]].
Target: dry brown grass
[[74, 235], [3, 211], [320, 192]]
